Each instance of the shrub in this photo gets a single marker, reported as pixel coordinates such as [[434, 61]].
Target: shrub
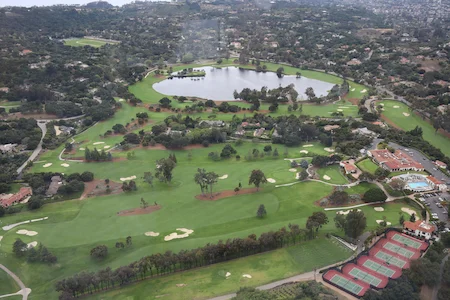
[[374, 195], [87, 176], [205, 143], [99, 252]]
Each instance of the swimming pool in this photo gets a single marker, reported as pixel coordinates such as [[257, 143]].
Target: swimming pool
[[415, 185]]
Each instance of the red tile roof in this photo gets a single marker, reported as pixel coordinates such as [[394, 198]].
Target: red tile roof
[[396, 160], [349, 167], [434, 180], [22, 193], [419, 225], [440, 164]]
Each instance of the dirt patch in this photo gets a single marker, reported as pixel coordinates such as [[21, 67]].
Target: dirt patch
[[426, 293], [19, 115], [98, 187], [226, 194], [354, 101], [139, 211]]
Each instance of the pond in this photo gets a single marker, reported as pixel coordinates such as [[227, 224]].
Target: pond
[[220, 83]]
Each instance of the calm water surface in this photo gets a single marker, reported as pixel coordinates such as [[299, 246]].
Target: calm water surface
[[220, 83]]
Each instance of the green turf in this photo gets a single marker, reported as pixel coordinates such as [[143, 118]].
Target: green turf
[[367, 165], [334, 173], [7, 284], [10, 103], [361, 188], [211, 281], [406, 123], [81, 42]]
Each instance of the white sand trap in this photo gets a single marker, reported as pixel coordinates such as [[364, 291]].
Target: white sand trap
[[175, 235], [345, 212], [1, 238], [382, 104], [292, 170], [247, 276], [363, 91], [309, 145], [128, 178], [406, 114], [396, 106], [47, 165], [409, 211], [271, 180], [98, 143], [326, 177], [387, 223], [224, 176], [82, 149], [32, 244], [304, 151], [121, 100], [106, 147], [27, 232], [339, 110], [57, 131], [352, 90], [343, 107], [151, 233], [328, 149], [180, 284], [228, 274], [378, 208], [65, 165]]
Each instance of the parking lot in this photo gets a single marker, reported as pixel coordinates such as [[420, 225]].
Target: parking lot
[[435, 204]]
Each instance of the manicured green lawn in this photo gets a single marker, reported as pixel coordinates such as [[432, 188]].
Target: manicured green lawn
[[361, 188], [406, 123], [8, 285], [367, 165], [334, 173], [211, 281], [392, 174], [9, 103], [86, 42]]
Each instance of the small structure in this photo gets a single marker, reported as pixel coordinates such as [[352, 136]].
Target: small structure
[[331, 127], [8, 148], [436, 183], [259, 132], [364, 131], [397, 161], [420, 229], [65, 129], [348, 166], [17, 197], [210, 123], [54, 186], [440, 164]]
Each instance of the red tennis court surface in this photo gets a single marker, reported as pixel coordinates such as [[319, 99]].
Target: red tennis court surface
[[364, 274], [346, 283], [379, 266], [402, 250], [407, 240], [389, 257]]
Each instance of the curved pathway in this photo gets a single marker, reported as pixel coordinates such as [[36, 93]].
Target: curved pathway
[[24, 291]]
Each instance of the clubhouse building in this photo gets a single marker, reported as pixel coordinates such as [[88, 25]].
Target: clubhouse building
[[11, 199], [420, 229], [394, 162]]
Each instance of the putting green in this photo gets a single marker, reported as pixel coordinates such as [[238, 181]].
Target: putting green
[[367, 165], [334, 174], [81, 42]]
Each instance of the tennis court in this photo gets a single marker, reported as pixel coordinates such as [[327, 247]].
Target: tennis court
[[374, 266], [346, 284], [389, 259], [398, 249], [406, 241], [364, 276]]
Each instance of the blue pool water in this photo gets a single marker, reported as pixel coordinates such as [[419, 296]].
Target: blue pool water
[[415, 185]]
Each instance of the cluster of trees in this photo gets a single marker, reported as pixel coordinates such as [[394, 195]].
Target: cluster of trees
[[374, 195], [95, 155], [22, 132], [164, 168], [322, 160], [33, 254], [353, 224], [129, 186], [292, 131], [206, 180], [274, 96], [71, 187], [169, 262]]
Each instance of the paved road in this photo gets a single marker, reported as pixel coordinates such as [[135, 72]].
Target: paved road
[[24, 291]]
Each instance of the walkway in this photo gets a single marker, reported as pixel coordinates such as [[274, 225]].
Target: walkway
[[24, 291]]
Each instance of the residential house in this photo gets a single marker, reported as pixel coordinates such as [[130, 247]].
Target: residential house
[[349, 167], [420, 229], [364, 131], [211, 123], [55, 183], [8, 148], [436, 183], [440, 164], [17, 197]]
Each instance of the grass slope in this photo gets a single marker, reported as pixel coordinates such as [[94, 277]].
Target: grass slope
[[367, 165], [334, 173], [87, 42]]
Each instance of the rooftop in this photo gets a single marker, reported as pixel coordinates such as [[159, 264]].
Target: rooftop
[[419, 225]]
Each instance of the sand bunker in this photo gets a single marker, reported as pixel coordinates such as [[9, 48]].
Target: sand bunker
[[82, 149], [352, 90], [1, 238], [381, 221], [32, 245], [309, 145], [328, 149], [247, 276], [382, 104], [57, 131], [363, 91], [304, 151], [406, 114], [228, 274], [326, 177], [98, 143], [151, 233], [47, 165], [409, 211], [180, 284], [339, 110], [271, 180], [224, 176], [128, 178], [343, 107], [292, 170], [64, 165], [396, 106], [121, 100], [175, 235], [27, 232], [345, 212], [378, 208], [106, 147]]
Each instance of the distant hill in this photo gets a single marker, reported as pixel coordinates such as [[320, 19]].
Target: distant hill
[[99, 4]]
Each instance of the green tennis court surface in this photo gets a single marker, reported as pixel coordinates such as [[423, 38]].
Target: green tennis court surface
[[378, 268], [346, 284], [397, 249], [406, 241], [364, 276], [392, 260]]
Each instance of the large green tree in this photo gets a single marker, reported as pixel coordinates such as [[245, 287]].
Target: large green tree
[[355, 223], [257, 177], [164, 169]]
